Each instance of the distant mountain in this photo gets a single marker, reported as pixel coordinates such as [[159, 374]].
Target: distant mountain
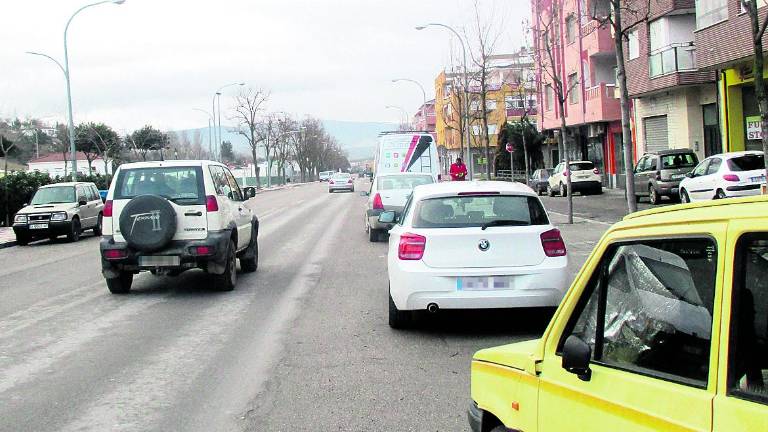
[[357, 138]]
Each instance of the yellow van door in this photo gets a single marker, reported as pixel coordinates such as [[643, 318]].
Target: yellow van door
[[644, 319], [741, 403]]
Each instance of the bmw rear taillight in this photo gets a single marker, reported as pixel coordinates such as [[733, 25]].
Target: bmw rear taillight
[[553, 243], [731, 178], [107, 212], [377, 204], [211, 205], [411, 247]]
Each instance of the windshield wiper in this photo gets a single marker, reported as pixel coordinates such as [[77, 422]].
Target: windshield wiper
[[504, 222]]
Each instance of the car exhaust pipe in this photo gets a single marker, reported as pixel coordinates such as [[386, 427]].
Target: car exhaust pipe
[[432, 307]]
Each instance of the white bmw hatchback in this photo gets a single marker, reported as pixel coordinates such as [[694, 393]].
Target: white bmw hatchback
[[473, 245]]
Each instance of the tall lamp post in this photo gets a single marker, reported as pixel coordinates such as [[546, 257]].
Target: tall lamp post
[[216, 95], [466, 87], [423, 94], [210, 130]]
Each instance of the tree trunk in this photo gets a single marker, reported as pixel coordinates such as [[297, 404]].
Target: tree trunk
[[525, 151], [5, 183], [256, 166], [564, 139], [757, 71], [626, 133]]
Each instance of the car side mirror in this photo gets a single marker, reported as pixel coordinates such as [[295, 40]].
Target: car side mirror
[[249, 192], [81, 201], [576, 356], [365, 194], [388, 217], [690, 174]]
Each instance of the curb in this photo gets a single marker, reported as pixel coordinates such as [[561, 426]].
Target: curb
[[8, 244]]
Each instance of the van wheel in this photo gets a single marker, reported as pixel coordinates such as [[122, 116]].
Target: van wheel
[[74, 234], [120, 284], [22, 239], [398, 319], [373, 235], [684, 198], [97, 228], [249, 262], [226, 281]]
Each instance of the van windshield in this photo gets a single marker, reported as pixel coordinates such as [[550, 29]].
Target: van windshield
[[54, 195], [182, 185]]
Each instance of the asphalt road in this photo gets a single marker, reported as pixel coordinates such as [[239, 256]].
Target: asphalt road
[[608, 207], [301, 345]]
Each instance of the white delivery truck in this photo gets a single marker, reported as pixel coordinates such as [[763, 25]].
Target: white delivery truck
[[407, 152]]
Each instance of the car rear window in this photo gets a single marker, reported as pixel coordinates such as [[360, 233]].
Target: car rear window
[[475, 211], [402, 181], [682, 160], [582, 166], [747, 163], [182, 185], [341, 176], [54, 195]]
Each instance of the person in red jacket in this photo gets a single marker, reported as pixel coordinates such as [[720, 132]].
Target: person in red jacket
[[458, 170]]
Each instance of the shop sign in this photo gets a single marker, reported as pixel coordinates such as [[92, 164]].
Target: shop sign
[[754, 128]]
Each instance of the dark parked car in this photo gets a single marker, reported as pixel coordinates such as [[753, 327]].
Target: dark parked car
[[539, 180], [658, 174]]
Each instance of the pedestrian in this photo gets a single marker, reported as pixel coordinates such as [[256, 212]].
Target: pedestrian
[[458, 170]]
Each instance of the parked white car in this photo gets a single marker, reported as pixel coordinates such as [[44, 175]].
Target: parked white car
[[389, 192], [724, 176], [473, 245], [585, 178], [169, 217]]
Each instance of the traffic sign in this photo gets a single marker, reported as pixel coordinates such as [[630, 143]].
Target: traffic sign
[[510, 147]]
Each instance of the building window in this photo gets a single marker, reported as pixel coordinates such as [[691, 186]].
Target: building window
[[709, 12], [513, 102], [474, 106], [634, 44], [573, 89], [490, 104], [550, 97], [570, 29], [491, 129], [532, 101]]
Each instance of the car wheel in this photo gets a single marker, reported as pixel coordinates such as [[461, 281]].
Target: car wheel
[[97, 228], [653, 196], [500, 428], [120, 284], [563, 190], [684, 198], [398, 319], [720, 194], [637, 198], [74, 234], [226, 281], [550, 191], [249, 262], [373, 235], [22, 240]]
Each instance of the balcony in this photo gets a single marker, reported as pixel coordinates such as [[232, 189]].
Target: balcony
[[597, 40], [601, 103], [672, 59]]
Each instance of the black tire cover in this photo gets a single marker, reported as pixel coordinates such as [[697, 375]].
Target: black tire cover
[[148, 222]]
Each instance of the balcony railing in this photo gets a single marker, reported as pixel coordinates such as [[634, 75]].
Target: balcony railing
[[671, 59]]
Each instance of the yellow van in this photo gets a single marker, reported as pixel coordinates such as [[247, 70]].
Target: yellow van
[[664, 329]]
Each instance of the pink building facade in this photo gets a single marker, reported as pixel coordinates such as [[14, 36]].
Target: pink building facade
[[419, 122], [585, 59]]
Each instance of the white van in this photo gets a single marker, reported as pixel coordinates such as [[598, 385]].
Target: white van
[[414, 152]]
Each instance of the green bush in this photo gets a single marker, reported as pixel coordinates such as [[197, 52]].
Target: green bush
[[21, 186]]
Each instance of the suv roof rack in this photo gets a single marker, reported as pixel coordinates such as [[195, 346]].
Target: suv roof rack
[[403, 132]]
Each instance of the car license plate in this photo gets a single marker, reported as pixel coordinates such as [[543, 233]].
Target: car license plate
[[38, 226], [677, 176], [583, 176], [159, 261], [759, 179], [483, 283]]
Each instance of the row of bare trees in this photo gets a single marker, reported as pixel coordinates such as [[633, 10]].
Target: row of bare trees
[[284, 140]]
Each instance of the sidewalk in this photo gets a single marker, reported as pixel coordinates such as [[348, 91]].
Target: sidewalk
[[7, 237]]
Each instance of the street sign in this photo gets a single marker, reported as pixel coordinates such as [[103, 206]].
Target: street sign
[[510, 147]]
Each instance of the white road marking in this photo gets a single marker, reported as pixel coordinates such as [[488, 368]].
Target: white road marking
[[580, 219]]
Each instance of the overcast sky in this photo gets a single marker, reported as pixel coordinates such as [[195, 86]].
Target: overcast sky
[[152, 61]]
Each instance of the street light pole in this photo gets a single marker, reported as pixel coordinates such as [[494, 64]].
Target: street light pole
[[70, 120], [466, 88], [210, 138], [423, 94], [213, 108]]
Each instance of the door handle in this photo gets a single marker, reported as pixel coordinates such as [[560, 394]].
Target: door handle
[[196, 213]]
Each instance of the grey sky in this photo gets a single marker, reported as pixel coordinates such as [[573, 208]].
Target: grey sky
[[152, 61]]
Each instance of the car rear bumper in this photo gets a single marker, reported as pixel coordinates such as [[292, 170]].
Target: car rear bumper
[[54, 229], [588, 185], [348, 187], [413, 286], [668, 188], [213, 263], [743, 190]]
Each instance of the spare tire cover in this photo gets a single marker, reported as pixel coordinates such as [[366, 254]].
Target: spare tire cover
[[148, 222]]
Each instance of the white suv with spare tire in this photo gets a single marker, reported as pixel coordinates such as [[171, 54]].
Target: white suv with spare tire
[[172, 216]]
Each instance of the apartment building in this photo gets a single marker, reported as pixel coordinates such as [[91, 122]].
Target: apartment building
[[584, 56], [510, 94], [675, 103], [725, 40], [422, 124]]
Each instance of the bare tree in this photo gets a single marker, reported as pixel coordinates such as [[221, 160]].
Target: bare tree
[[623, 16], [248, 107], [287, 128], [758, 64], [6, 145], [267, 132], [548, 47]]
